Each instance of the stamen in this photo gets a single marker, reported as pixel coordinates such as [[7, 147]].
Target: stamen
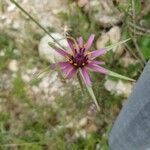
[[83, 64], [67, 58], [75, 64], [89, 54], [70, 61]]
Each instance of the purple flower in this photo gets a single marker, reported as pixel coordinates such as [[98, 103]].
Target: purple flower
[[80, 58]]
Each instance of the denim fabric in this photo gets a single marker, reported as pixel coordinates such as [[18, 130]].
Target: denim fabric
[[131, 131]]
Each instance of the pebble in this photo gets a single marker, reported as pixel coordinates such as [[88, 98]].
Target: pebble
[[48, 53], [11, 7], [13, 65], [118, 87]]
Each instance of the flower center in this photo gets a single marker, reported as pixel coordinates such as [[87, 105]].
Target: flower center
[[80, 59]]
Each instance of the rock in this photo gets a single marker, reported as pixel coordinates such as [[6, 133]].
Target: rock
[[48, 90], [46, 52], [2, 53], [83, 122], [102, 41], [127, 60], [81, 133], [110, 85], [25, 77], [123, 88], [82, 3], [108, 21], [104, 12], [13, 65], [113, 36], [11, 7], [118, 87]]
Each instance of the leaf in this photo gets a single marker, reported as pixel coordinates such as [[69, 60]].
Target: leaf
[[116, 44], [91, 92], [111, 73]]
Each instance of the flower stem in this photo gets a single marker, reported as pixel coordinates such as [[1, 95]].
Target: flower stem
[[36, 22], [80, 81]]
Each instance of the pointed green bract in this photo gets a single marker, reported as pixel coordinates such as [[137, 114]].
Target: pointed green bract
[[116, 44], [111, 73], [91, 92]]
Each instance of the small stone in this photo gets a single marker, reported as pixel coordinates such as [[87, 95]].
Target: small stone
[[35, 89], [13, 65], [110, 85], [15, 25], [26, 78], [82, 3], [81, 133], [83, 122], [127, 60], [123, 88], [2, 53], [49, 54], [11, 8], [113, 36], [118, 87], [102, 41]]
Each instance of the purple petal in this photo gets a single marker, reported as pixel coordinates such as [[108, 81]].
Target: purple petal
[[97, 53], [60, 51], [59, 64], [97, 68], [97, 62], [66, 67], [71, 72], [89, 42], [86, 76], [80, 42], [72, 43]]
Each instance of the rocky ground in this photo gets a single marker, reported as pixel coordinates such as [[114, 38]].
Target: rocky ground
[[41, 108]]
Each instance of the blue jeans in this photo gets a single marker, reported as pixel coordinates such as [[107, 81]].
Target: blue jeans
[[131, 130]]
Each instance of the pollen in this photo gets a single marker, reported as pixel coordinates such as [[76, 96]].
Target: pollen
[[70, 61], [89, 61], [89, 54], [75, 64], [83, 64]]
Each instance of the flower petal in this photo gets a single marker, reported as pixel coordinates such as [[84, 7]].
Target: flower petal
[[71, 73], [60, 51], [85, 76], [89, 42], [97, 62], [59, 64], [80, 42], [66, 67], [97, 53], [97, 68], [72, 43]]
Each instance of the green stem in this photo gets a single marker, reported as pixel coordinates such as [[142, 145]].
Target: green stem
[[36, 22], [80, 81]]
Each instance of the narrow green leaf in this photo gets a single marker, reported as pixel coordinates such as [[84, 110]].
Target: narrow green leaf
[[111, 73], [116, 44], [91, 92]]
